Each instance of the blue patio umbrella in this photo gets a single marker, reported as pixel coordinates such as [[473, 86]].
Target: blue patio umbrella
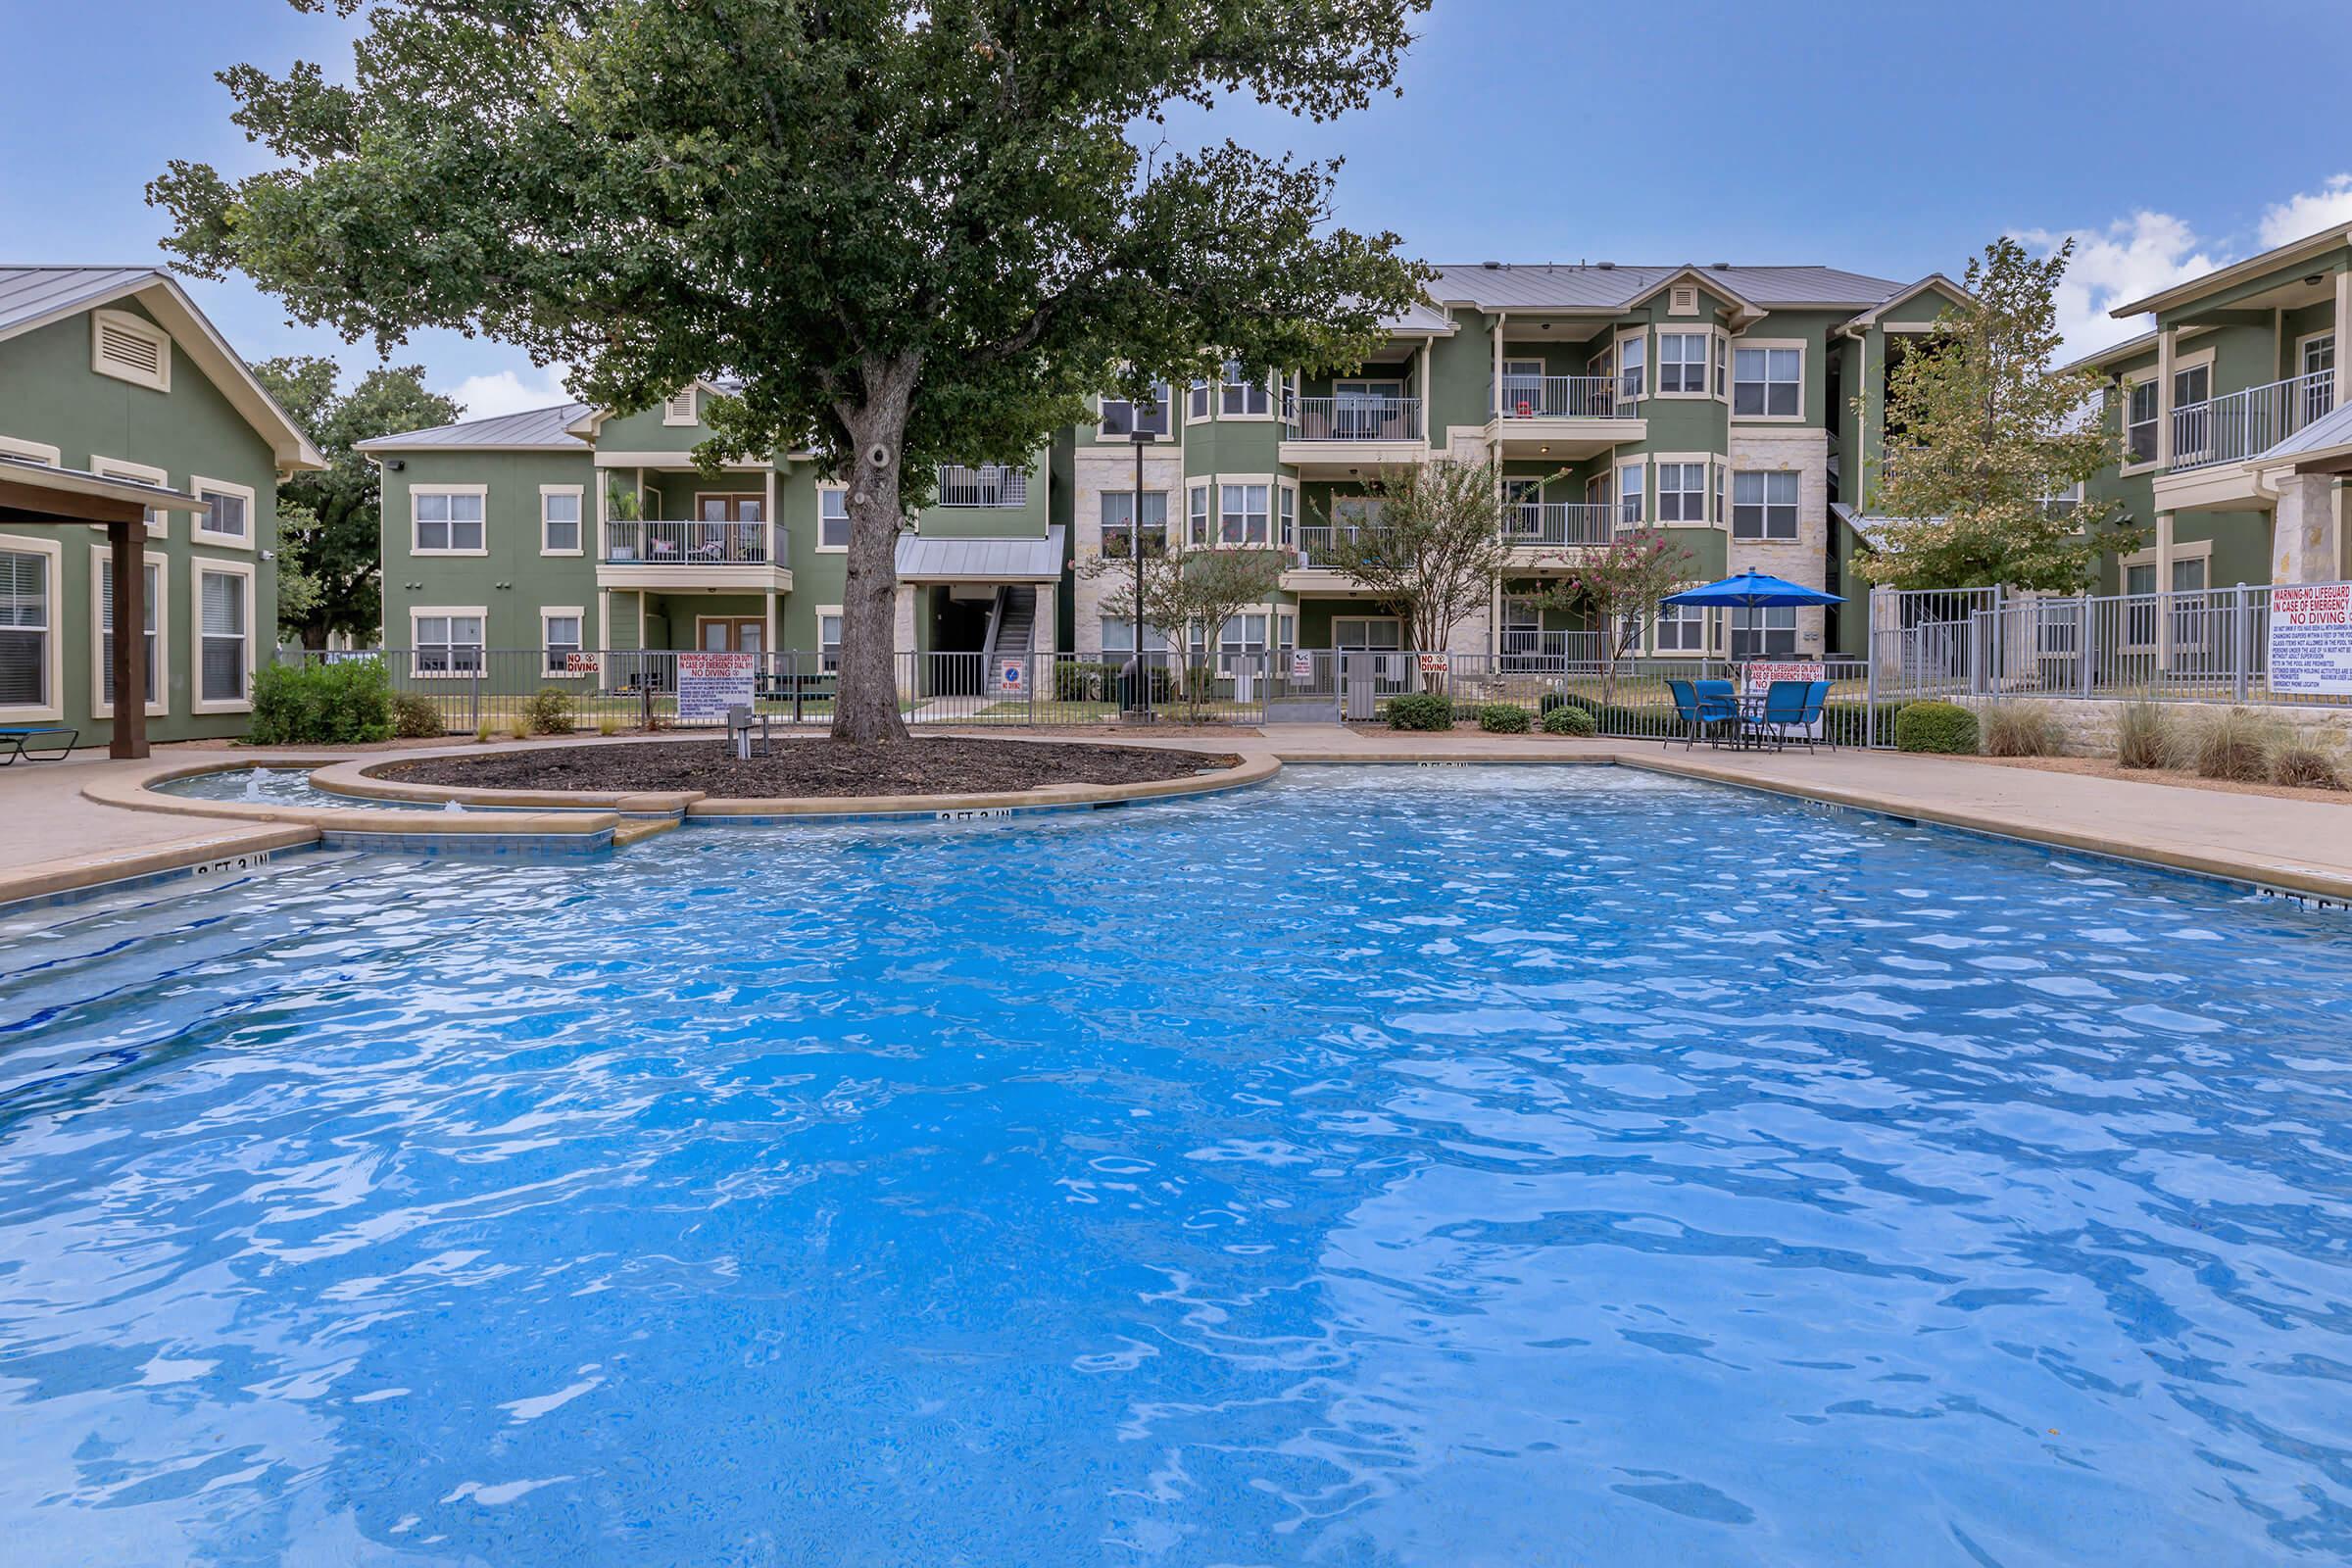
[[1752, 590]]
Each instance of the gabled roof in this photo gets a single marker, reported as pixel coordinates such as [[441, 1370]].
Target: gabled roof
[[2100, 359], [1605, 286], [591, 421], [2327, 239], [34, 297], [1932, 280], [1422, 316], [532, 431]]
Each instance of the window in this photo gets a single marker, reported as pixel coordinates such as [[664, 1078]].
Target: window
[[2191, 384], [1723, 355], [1768, 383], [828, 639], [1118, 638], [1119, 523], [1242, 514], [1243, 634], [1763, 633], [1683, 362], [130, 348], [1523, 389], [223, 605], [679, 407], [448, 523], [1681, 492], [2317, 357], [152, 594], [448, 642], [1764, 506], [24, 627], [1196, 499], [228, 518], [1628, 497], [1196, 401], [560, 634], [40, 452], [1119, 415], [1681, 629], [1359, 633], [159, 522], [1239, 394], [832, 519], [1289, 495], [559, 519], [1630, 367], [2140, 421], [1523, 508], [2139, 609], [2190, 611]]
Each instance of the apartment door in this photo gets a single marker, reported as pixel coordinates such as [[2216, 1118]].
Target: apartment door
[[730, 527], [729, 634]]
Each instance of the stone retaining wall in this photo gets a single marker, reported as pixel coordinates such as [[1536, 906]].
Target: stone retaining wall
[[2090, 725]]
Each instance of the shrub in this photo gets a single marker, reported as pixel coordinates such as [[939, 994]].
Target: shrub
[[2237, 745], [2021, 729], [416, 718], [547, 711], [1421, 710], [1564, 719], [336, 702], [1089, 681], [485, 731], [2145, 737], [2305, 768], [1502, 718], [606, 725], [1945, 728]]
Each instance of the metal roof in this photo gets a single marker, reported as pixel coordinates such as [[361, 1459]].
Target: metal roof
[[2320, 435], [532, 429], [981, 560], [96, 486], [31, 294], [1600, 286]]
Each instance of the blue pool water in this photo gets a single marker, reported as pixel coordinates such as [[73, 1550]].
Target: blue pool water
[[1479, 1166], [289, 786]]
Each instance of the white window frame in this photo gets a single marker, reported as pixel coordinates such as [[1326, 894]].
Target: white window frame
[[40, 452], [1199, 519], [1518, 372], [1682, 616], [682, 407], [546, 492], [547, 645], [2308, 341], [1200, 400], [1686, 461], [52, 708], [1639, 341], [159, 521], [1640, 495], [822, 491], [1761, 626], [199, 528], [1105, 530], [134, 326], [480, 613], [159, 694], [1227, 386], [200, 569], [2124, 386], [1286, 515], [1338, 645], [1703, 363], [831, 663], [1244, 482], [481, 491], [1767, 346], [1166, 394], [1766, 507]]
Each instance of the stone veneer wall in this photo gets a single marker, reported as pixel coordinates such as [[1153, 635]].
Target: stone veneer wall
[[2090, 725]]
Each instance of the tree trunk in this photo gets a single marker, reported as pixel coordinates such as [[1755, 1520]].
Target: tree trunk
[[865, 707]]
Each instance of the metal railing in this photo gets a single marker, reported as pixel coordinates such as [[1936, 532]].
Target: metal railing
[[1523, 648], [2243, 424], [1352, 419], [1559, 522], [1563, 397], [2190, 645], [630, 542], [992, 484], [1317, 542]]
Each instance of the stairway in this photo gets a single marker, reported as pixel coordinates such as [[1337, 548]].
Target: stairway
[[1010, 631]]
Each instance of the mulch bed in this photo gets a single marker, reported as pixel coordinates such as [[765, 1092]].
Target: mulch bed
[[930, 765]]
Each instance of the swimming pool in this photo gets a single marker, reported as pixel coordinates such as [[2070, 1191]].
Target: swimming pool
[[292, 786], [1481, 1165]]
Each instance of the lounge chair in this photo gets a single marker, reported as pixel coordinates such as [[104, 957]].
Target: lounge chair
[[1790, 711], [25, 740], [1702, 712]]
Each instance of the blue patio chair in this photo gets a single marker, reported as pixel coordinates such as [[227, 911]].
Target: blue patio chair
[[36, 743], [1702, 711], [1791, 708]]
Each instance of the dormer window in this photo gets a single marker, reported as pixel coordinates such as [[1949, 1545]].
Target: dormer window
[[130, 348]]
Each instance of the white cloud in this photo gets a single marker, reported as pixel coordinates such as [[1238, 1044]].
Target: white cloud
[[2304, 215], [485, 397]]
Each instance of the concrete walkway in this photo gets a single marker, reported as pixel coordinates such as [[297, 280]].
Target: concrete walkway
[[54, 838]]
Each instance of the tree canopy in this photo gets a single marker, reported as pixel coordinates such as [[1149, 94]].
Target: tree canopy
[[329, 570], [1981, 433], [1429, 549], [916, 230]]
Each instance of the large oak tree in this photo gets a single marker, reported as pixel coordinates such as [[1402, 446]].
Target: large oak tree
[[915, 232]]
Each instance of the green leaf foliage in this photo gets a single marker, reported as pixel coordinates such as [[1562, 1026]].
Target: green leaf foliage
[[1942, 727], [345, 702]]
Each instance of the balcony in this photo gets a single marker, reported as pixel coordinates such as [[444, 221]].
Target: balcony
[[2245, 424], [992, 485], [1525, 648], [1561, 417], [1559, 524], [1315, 572], [659, 554], [1352, 419]]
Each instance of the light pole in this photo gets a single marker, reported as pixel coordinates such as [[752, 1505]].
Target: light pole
[[1139, 435]]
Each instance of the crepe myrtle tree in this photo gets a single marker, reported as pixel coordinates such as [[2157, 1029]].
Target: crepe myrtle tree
[[1188, 591], [1431, 551], [1620, 585], [914, 231]]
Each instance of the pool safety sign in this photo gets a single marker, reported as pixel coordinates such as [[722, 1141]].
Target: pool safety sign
[[1436, 663], [1761, 674], [1014, 675], [583, 663], [709, 684], [2311, 638]]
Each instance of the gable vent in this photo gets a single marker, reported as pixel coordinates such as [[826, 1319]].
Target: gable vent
[[129, 349], [679, 407]]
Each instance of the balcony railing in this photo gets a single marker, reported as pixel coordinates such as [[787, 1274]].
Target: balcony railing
[[992, 484], [695, 544], [2245, 424], [1564, 397], [1315, 543], [1559, 522], [1353, 418], [1526, 648]]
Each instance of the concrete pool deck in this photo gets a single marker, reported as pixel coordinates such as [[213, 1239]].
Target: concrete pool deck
[[87, 822]]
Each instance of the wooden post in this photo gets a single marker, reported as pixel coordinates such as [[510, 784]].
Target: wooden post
[[126, 544]]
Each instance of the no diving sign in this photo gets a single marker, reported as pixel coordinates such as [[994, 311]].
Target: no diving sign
[[2311, 638]]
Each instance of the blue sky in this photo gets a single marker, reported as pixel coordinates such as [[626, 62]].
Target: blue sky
[[1888, 139]]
